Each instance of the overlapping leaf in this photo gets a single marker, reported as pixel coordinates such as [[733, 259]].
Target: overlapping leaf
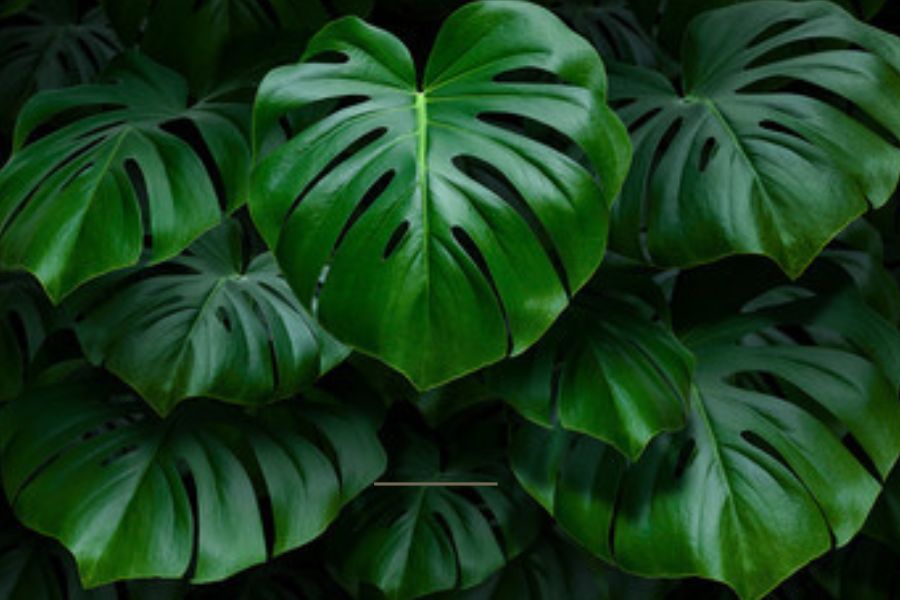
[[425, 223], [138, 489], [784, 133], [223, 328], [766, 474], [414, 541], [51, 45], [606, 369], [80, 201], [211, 40], [25, 320]]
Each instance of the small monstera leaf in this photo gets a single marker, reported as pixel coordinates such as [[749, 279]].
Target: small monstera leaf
[[434, 226], [25, 320], [750, 158], [416, 540], [140, 163], [551, 568], [765, 477], [50, 45], [207, 39], [217, 327], [609, 368], [140, 488], [613, 29]]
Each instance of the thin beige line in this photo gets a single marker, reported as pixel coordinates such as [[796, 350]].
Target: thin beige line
[[435, 484]]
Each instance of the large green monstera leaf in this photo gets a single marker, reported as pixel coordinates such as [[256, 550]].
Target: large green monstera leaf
[[51, 45], [608, 369], [750, 158], [435, 226], [140, 163], [222, 329], [138, 489], [417, 540], [773, 466]]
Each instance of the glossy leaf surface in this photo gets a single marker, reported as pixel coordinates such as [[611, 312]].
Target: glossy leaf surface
[[79, 201], [138, 488], [210, 323], [768, 150], [763, 476], [607, 369], [433, 226]]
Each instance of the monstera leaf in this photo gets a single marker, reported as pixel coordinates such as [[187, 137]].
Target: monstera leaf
[[138, 489], [50, 45], [606, 369], [25, 320], [613, 28], [750, 158], [211, 39], [80, 201], [551, 568], [765, 477], [434, 226], [222, 329], [436, 535], [668, 19]]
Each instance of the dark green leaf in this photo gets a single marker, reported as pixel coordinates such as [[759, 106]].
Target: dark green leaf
[[413, 541], [207, 40], [78, 202], [606, 369], [50, 45], [216, 327], [136, 487], [429, 231], [768, 150], [766, 471]]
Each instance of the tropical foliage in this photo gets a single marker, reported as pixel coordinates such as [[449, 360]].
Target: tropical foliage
[[504, 299]]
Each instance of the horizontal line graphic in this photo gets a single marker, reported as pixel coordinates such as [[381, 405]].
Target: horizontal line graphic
[[435, 484]]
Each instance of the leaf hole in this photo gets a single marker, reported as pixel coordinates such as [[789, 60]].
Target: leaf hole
[[710, 146], [643, 119], [491, 178], [223, 318], [469, 246], [372, 194], [533, 129], [528, 75], [855, 448], [119, 454], [395, 239], [621, 103], [664, 143], [774, 30], [775, 126], [357, 146], [329, 57], [685, 459], [187, 130]]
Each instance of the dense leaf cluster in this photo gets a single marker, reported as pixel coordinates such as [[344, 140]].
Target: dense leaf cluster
[[613, 286]]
